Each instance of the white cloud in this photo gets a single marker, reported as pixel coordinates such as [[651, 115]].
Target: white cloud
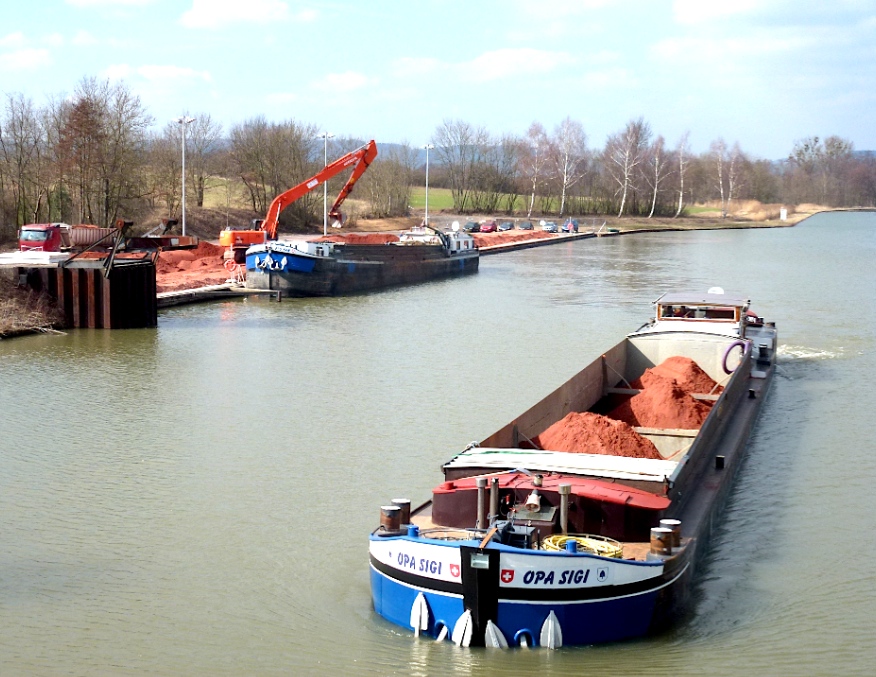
[[705, 11], [25, 59], [118, 71], [13, 40], [493, 65], [107, 3], [83, 39], [220, 13], [343, 82], [54, 40], [708, 50], [418, 66], [169, 75], [282, 97], [505, 63]]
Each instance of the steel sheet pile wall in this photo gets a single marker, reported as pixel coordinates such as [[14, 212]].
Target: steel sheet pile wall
[[124, 300]]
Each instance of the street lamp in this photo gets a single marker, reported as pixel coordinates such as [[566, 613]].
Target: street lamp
[[325, 136], [185, 121], [428, 147]]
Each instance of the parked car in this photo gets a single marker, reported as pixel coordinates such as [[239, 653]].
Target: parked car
[[526, 225], [505, 225], [549, 227], [489, 227], [472, 227], [570, 226]]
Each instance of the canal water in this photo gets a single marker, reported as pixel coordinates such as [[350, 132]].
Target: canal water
[[196, 499]]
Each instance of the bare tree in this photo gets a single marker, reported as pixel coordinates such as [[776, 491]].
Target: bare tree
[[103, 145], [202, 145], [165, 168], [570, 144], [22, 149], [735, 165], [535, 158], [509, 169], [387, 182], [624, 152], [271, 158], [718, 150], [458, 146], [682, 155], [657, 171]]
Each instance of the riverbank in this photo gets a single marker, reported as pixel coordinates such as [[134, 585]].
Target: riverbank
[[25, 312]]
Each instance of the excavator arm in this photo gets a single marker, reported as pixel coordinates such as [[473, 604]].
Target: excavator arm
[[360, 158]]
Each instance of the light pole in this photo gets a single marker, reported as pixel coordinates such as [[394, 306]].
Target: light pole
[[184, 121], [325, 136], [428, 147]]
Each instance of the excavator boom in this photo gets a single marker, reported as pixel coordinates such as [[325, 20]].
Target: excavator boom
[[359, 159]]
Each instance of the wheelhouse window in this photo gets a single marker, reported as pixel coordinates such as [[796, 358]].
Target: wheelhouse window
[[708, 313]]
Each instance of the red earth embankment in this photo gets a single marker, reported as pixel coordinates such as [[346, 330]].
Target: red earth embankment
[[191, 268]]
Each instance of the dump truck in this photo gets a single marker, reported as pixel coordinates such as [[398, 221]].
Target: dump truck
[[59, 237]]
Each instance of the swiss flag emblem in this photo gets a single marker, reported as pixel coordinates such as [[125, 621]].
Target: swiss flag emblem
[[507, 575], [454, 570]]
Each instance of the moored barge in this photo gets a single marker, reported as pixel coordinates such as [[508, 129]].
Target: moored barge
[[582, 520], [325, 268]]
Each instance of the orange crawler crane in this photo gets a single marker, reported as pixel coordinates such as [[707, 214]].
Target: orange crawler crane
[[238, 241]]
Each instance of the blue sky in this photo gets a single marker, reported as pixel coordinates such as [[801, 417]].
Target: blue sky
[[764, 73]]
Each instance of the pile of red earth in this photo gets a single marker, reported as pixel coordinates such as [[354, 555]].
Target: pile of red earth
[[588, 433], [665, 399], [191, 268], [359, 238], [491, 239]]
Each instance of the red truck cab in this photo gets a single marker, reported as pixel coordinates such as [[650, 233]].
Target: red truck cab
[[46, 237]]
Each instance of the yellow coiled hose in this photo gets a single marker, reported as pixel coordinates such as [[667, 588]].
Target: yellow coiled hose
[[596, 545]]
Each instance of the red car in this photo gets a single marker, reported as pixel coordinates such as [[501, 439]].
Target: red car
[[489, 227]]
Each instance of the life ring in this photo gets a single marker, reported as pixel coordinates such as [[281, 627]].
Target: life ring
[[735, 344]]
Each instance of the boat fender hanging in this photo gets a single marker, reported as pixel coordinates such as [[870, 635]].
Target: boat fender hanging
[[493, 637], [420, 615], [735, 344], [462, 630], [551, 636]]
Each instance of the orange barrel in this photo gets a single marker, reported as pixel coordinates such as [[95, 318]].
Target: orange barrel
[[390, 517], [675, 525], [661, 541], [405, 505]]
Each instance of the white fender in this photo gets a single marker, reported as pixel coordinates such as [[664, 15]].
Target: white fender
[[420, 614], [442, 635], [551, 633], [493, 637], [462, 630]]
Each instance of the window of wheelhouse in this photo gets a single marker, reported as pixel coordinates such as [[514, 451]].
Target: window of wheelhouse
[[712, 313]]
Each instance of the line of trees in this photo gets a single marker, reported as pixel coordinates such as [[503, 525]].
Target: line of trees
[[95, 156], [636, 172]]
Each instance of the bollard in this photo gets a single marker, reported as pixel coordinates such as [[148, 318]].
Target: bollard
[[405, 505], [390, 517], [661, 541], [565, 492]]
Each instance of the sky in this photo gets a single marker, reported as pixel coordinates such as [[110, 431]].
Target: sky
[[763, 73]]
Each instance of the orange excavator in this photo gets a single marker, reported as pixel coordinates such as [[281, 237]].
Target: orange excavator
[[238, 241]]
